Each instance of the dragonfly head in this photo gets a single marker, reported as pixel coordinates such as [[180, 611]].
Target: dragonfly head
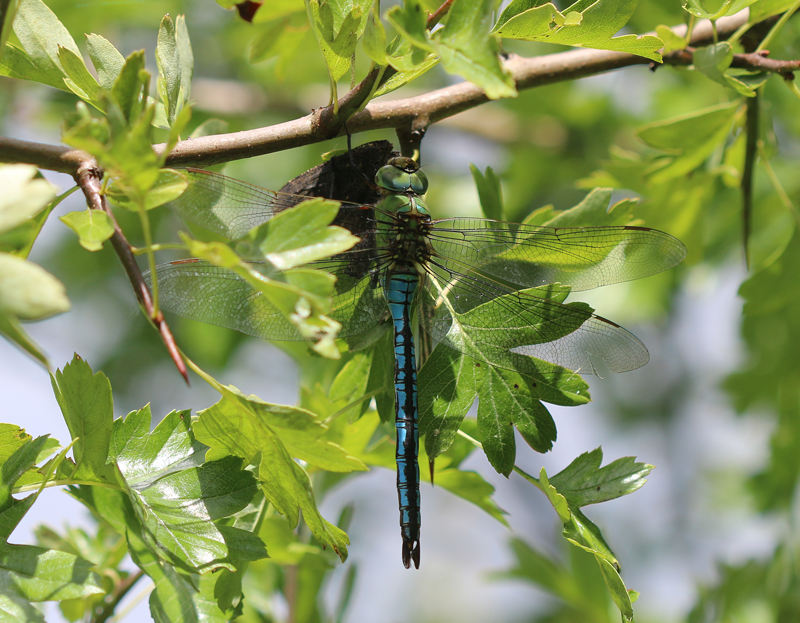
[[402, 175]]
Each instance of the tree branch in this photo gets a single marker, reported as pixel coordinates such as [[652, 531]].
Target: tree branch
[[414, 114], [88, 178]]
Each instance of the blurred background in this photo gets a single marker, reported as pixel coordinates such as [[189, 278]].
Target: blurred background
[[716, 410]]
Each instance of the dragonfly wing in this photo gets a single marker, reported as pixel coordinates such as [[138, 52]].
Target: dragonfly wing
[[496, 324], [227, 206], [201, 291], [528, 256]]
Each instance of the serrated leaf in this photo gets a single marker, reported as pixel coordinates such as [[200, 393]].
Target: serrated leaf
[[693, 137], [466, 48], [246, 426], [177, 495], [107, 60], [449, 382], [40, 33], [38, 574], [86, 403], [77, 76], [337, 27], [600, 21], [22, 459], [585, 482], [92, 226], [298, 236], [169, 185]]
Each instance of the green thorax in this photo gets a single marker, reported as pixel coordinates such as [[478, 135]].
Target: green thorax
[[403, 182]]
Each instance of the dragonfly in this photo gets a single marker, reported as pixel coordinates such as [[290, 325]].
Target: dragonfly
[[475, 285]]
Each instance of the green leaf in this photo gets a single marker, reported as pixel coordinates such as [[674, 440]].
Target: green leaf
[[8, 11], [86, 403], [178, 497], [169, 185], [337, 27], [489, 192], [693, 137], [78, 79], [38, 574], [728, 7], [175, 65], [246, 426], [672, 42], [29, 292], [23, 195], [298, 236], [171, 599], [92, 226], [582, 533], [466, 48], [714, 60], [411, 22], [450, 381], [41, 34], [130, 88], [107, 60], [585, 482], [23, 457], [599, 22], [12, 330], [374, 41], [472, 487], [767, 8]]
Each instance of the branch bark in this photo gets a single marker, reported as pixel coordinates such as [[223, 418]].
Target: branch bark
[[88, 178], [414, 114]]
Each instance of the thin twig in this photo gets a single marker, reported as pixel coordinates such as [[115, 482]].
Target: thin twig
[[416, 113], [755, 61], [120, 590], [89, 178]]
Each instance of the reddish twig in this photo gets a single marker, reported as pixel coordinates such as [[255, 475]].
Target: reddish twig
[[88, 177], [755, 61]]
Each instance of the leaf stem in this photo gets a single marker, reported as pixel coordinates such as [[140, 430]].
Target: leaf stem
[[151, 258], [65, 481], [112, 601], [531, 479], [164, 246], [777, 27]]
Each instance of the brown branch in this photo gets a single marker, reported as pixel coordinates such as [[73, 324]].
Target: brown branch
[[755, 61], [88, 177], [415, 113], [111, 601]]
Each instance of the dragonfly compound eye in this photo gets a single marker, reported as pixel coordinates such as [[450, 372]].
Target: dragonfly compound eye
[[399, 179]]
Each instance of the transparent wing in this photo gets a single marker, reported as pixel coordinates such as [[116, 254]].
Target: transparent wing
[[201, 291], [230, 207], [496, 324], [528, 256]]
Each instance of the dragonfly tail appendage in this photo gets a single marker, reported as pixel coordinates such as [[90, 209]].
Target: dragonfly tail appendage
[[400, 292]]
